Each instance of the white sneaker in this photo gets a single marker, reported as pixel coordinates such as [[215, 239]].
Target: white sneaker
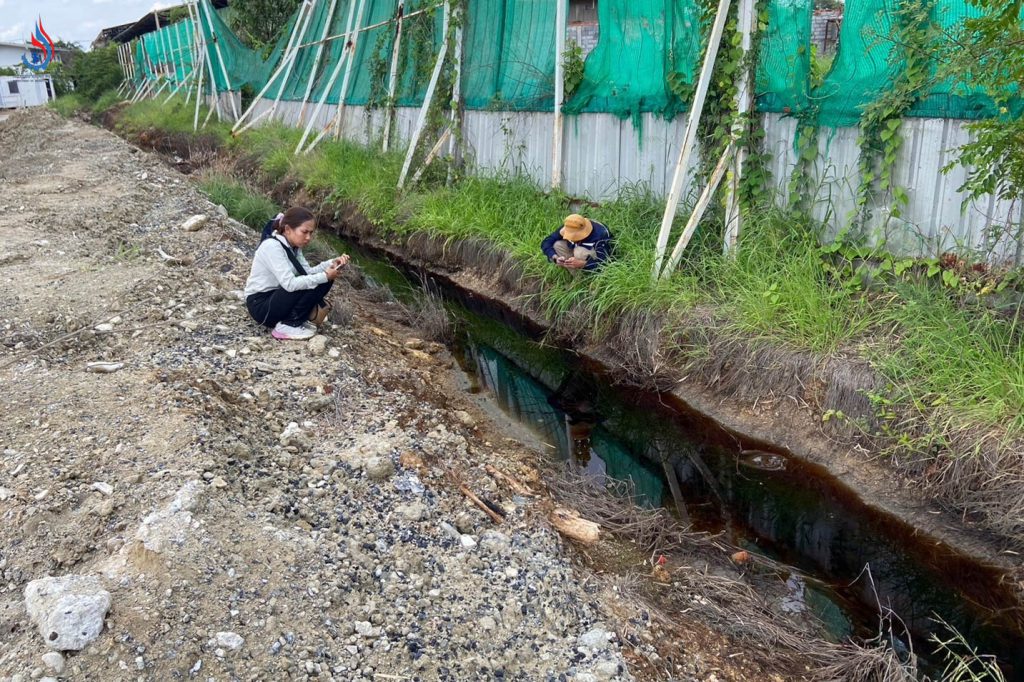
[[287, 332], [310, 326]]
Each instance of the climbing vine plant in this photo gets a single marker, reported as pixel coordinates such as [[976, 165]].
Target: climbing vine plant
[[720, 116], [913, 37]]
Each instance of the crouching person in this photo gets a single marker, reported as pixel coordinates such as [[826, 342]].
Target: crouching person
[[580, 243], [283, 291]]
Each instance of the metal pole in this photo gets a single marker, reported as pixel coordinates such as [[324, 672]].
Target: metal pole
[[422, 120], [389, 108], [316, 61], [561, 10], [691, 135], [345, 54], [744, 103]]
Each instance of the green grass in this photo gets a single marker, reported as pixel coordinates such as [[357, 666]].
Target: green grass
[[963, 360], [242, 203], [107, 100], [173, 117], [779, 287], [68, 105]]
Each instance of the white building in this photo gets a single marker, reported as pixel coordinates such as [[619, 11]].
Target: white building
[[25, 91]]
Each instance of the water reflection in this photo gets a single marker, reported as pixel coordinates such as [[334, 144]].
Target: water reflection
[[760, 500]]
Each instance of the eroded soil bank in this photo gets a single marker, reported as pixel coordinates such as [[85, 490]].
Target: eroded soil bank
[[237, 546]]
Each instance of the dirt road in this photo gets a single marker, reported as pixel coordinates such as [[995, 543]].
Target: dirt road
[[256, 509]]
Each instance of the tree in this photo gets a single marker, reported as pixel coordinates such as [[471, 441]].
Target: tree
[[259, 22], [95, 72]]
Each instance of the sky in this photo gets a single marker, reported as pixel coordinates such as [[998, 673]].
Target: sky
[[76, 21]]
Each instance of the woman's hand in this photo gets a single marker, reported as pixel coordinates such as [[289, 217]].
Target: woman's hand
[[336, 265]]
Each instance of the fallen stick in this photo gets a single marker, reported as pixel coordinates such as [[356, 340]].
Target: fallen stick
[[495, 516], [568, 522], [517, 487]]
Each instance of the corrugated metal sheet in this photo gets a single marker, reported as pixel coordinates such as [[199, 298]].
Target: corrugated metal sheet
[[603, 155]]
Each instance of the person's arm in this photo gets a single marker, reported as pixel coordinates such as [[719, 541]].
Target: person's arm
[[602, 250], [548, 245], [274, 260]]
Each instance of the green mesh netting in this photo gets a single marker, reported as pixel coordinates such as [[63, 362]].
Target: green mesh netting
[[509, 55], [646, 59], [783, 71], [645, 47]]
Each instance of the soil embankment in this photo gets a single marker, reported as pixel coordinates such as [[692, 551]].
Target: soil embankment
[[262, 510]]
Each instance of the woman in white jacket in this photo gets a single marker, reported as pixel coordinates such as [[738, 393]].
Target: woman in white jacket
[[283, 291]]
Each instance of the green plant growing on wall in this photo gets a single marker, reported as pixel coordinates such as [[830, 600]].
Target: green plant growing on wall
[[259, 22], [572, 66], [986, 54], [913, 39]]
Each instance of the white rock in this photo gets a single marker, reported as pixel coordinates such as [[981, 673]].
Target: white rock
[[194, 224], [334, 353], [317, 345], [230, 640], [68, 611], [104, 327], [594, 638], [467, 541], [103, 488], [170, 525], [5, 493], [54, 661]]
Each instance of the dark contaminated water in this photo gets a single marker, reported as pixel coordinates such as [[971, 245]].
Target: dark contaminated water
[[860, 561]]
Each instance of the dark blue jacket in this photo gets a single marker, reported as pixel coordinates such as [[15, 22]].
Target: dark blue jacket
[[600, 240]]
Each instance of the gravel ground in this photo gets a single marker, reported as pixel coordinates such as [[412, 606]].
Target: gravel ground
[[255, 509]]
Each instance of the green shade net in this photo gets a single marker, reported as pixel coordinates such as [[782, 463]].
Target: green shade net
[[642, 44], [647, 58], [783, 71], [509, 55]]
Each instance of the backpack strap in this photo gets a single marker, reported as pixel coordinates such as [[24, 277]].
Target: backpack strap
[[299, 270]]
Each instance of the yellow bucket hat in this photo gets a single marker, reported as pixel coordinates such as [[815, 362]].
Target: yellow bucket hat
[[576, 228]]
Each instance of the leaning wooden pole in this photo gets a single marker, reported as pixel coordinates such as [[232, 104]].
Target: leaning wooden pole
[[285, 60], [698, 210], [316, 61], [746, 26], [339, 115], [428, 98], [220, 58], [561, 10], [454, 151], [295, 55], [693, 120], [389, 108], [342, 57]]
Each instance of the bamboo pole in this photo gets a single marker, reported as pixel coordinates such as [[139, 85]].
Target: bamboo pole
[[392, 77], [691, 134], [561, 10], [454, 151], [354, 42], [209, 65], [285, 59], [698, 210], [345, 54], [197, 32], [199, 90], [431, 155], [428, 98], [295, 56], [316, 61], [744, 103], [220, 57]]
